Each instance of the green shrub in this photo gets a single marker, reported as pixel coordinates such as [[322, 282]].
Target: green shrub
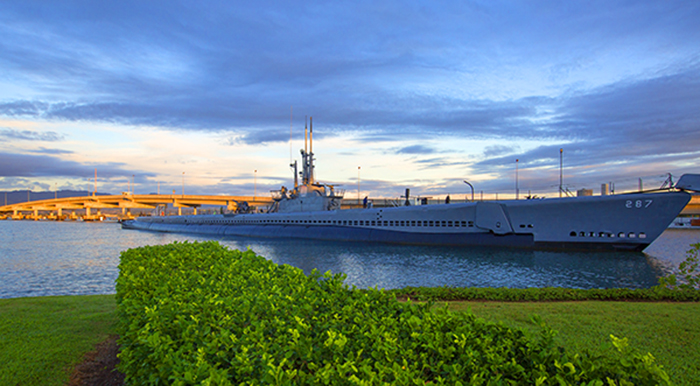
[[202, 314], [659, 293]]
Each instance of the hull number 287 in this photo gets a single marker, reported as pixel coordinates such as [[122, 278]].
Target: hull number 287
[[637, 203]]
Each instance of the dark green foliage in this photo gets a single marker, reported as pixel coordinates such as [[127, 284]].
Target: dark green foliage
[[681, 287], [202, 314], [547, 294]]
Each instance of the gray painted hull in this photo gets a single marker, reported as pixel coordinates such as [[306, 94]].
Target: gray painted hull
[[619, 222]]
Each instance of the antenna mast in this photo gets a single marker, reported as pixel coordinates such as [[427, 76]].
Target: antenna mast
[[305, 154], [292, 163], [311, 150], [306, 134], [561, 163]]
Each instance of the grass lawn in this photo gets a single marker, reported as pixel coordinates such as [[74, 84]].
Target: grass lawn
[[670, 331], [42, 338]]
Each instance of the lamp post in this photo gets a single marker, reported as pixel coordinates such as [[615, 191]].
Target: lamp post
[[517, 191], [358, 185], [183, 184], [470, 185], [255, 184]]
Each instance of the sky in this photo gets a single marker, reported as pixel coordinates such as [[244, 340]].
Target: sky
[[201, 96]]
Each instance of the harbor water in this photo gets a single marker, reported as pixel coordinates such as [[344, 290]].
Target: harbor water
[[81, 258]]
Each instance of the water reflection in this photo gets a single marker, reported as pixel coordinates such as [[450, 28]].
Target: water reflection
[[395, 266], [46, 258]]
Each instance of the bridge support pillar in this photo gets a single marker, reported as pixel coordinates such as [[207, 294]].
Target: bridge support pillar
[[195, 210], [59, 213], [179, 211], [36, 214]]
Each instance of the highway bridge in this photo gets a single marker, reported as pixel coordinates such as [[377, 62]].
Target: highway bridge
[[121, 206]]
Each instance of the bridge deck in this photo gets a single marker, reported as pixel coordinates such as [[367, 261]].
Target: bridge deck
[[131, 201]]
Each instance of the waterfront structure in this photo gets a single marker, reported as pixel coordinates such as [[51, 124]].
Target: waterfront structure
[[90, 206]]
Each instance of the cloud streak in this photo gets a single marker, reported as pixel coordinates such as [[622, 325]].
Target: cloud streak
[[28, 135], [23, 165]]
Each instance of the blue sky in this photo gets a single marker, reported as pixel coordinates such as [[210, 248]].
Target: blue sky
[[419, 95]]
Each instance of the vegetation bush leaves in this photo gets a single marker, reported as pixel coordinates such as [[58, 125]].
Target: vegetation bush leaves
[[198, 313]]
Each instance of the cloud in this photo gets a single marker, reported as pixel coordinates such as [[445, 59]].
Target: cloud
[[43, 150], [496, 150], [415, 149], [20, 108], [438, 162], [28, 135], [259, 138], [23, 165]]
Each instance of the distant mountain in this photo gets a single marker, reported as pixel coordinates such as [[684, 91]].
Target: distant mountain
[[18, 196]]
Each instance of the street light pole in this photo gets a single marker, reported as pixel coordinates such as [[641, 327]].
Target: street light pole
[[517, 191], [470, 185], [358, 185], [255, 184], [183, 184]]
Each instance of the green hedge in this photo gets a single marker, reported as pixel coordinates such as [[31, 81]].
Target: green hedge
[[198, 313], [546, 294]]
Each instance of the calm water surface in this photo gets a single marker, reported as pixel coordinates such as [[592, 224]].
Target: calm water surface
[[71, 258]]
